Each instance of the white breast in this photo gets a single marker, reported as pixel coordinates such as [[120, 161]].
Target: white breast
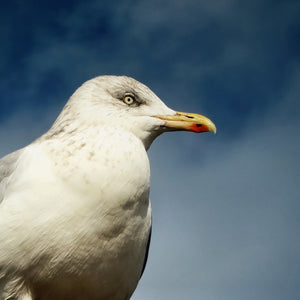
[[85, 206]]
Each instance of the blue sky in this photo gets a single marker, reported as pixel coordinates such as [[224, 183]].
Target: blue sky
[[226, 207]]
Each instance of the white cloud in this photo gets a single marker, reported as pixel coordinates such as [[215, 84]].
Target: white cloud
[[227, 228]]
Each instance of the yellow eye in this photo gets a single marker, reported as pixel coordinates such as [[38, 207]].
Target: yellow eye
[[129, 100]]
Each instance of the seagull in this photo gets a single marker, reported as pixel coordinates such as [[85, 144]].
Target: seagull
[[75, 214]]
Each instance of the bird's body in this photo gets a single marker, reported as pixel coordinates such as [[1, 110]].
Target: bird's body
[[75, 215], [82, 218]]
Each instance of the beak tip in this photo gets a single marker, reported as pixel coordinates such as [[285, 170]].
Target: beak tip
[[214, 129]]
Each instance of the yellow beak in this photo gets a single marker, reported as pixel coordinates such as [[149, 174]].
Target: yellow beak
[[188, 121]]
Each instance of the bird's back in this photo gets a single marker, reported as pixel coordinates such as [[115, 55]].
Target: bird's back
[[7, 166]]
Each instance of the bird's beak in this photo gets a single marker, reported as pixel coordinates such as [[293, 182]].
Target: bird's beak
[[187, 121]]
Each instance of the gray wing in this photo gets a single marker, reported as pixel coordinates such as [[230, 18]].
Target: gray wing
[[147, 251], [7, 166]]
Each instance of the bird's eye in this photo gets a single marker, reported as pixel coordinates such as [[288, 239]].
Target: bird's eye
[[129, 100]]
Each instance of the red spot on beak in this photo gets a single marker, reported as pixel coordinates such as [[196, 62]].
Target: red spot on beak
[[199, 128]]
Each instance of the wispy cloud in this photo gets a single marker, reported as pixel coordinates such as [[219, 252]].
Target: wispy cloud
[[227, 228]]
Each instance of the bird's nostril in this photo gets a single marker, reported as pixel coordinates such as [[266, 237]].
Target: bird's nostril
[[190, 117]]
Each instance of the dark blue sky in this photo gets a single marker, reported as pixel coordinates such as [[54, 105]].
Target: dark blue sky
[[226, 207]]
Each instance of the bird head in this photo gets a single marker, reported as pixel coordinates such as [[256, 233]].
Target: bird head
[[125, 104]]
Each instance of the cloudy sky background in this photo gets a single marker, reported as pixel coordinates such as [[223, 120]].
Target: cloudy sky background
[[226, 207]]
